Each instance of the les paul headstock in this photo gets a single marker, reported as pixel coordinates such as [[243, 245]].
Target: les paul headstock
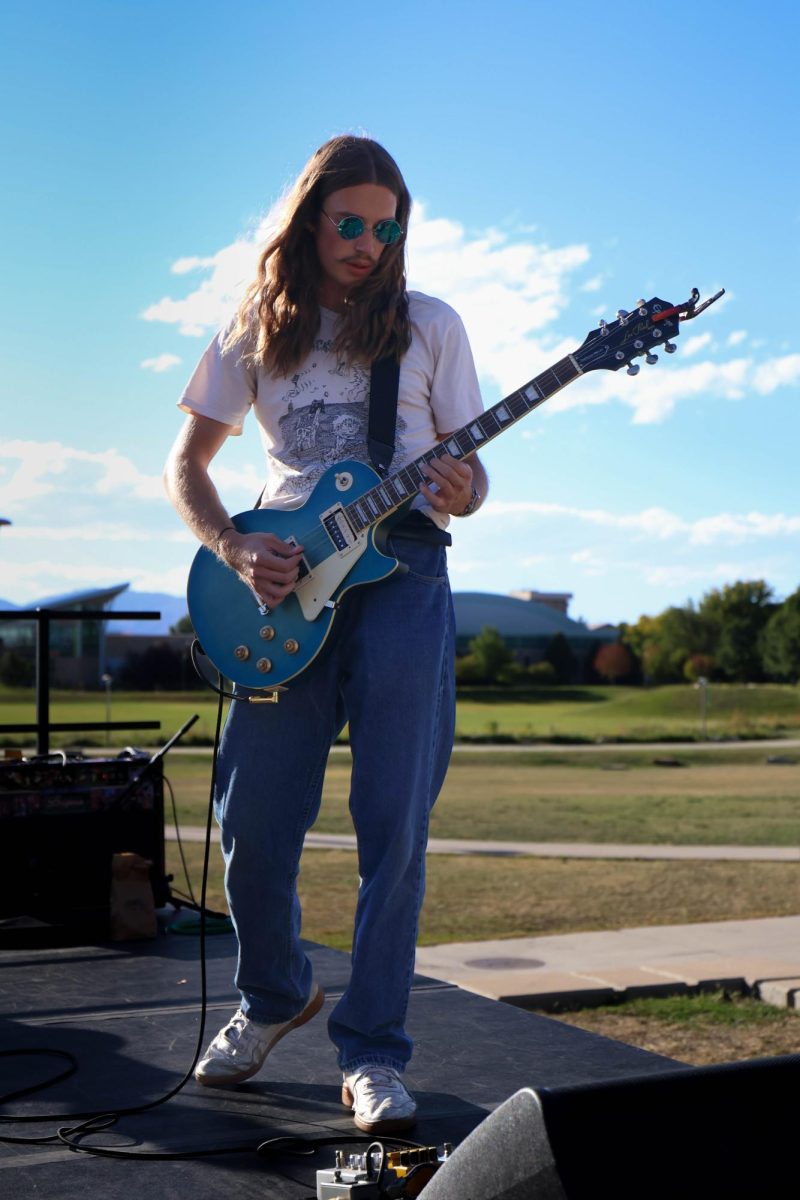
[[651, 325]]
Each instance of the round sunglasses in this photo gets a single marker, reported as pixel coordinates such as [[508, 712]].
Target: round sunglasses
[[349, 228]]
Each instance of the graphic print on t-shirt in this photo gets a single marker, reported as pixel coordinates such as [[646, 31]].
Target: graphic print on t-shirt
[[320, 431]]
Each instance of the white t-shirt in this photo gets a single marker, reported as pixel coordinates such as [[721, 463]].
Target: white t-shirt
[[318, 416]]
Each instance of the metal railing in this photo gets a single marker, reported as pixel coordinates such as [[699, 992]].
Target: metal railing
[[43, 726]]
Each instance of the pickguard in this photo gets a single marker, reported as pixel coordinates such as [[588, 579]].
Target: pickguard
[[318, 586]]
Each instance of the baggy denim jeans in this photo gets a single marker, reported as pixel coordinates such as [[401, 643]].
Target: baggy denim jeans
[[387, 668]]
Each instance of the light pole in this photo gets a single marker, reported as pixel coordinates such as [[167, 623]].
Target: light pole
[[702, 684]]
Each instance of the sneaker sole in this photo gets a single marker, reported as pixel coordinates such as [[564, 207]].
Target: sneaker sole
[[311, 1009], [390, 1125]]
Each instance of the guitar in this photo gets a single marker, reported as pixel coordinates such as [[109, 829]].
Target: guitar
[[345, 521]]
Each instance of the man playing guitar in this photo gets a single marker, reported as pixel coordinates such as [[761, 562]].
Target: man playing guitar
[[329, 299]]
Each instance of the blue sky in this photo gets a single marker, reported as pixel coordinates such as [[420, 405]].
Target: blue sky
[[564, 159]]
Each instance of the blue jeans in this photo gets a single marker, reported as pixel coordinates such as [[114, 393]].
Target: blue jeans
[[387, 669]]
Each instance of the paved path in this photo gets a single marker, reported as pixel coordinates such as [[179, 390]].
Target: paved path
[[347, 841], [663, 749]]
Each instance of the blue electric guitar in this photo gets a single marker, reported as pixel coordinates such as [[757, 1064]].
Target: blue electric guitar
[[345, 521]]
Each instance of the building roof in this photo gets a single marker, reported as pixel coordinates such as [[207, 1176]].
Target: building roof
[[95, 596], [514, 618]]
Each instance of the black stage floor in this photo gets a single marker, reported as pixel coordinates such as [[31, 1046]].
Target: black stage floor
[[130, 1015]]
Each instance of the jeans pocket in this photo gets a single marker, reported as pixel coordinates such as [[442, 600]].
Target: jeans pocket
[[425, 562]]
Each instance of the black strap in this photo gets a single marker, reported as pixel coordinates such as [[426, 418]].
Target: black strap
[[383, 388]]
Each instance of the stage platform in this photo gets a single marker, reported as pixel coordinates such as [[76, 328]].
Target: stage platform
[[130, 1014]]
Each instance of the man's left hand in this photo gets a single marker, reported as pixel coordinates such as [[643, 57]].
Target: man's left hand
[[453, 484]]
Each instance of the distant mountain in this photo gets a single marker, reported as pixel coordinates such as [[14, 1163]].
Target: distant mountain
[[7, 604], [172, 608]]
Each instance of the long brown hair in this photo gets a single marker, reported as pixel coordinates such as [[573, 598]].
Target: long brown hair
[[278, 319]]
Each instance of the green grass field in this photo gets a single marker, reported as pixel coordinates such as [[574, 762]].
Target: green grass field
[[583, 714], [720, 797], [724, 796]]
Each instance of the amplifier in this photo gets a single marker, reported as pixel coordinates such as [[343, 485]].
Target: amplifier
[[61, 821]]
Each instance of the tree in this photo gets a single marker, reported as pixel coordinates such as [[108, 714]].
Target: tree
[[780, 642], [663, 644], [613, 661], [183, 626], [737, 615], [489, 654], [560, 654]]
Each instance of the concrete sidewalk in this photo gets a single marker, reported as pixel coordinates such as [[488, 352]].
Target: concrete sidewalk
[[347, 841], [595, 968]]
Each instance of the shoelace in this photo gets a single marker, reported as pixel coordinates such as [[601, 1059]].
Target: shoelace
[[378, 1084], [236, 1027]]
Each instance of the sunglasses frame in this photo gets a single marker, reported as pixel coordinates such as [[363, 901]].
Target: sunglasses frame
[[351, 237]]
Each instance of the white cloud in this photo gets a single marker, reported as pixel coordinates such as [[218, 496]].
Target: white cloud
[[161, 363], [694, 345], [27, 581], [658, 523], [776, 372], [40, 464], [97, 531], [736, 337], [593, 285], [182, 266], [246, 479]]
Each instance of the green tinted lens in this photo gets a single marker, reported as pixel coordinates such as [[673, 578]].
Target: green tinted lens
[[387, 232], [350, 227]]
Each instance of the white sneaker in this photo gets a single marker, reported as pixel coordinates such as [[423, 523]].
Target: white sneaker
[[238, 1051], [379, 1101]]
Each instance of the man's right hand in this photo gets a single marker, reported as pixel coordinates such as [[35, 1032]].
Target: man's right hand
[[269, 566]]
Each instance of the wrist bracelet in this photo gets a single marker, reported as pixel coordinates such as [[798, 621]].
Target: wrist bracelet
[[221, 535], [472, 504]]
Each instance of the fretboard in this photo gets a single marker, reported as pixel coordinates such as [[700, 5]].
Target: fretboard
[[396, 489]]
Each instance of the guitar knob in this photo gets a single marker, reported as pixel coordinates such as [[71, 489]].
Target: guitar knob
[[264, 665], [651, 359], [291, 646], [241, 653], [634, 369], [670, 348], [267, 632]]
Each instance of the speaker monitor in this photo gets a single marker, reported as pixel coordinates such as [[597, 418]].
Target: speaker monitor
[[61, 821], [711, 1133]]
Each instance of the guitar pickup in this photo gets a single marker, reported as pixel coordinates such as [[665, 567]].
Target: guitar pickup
[[338, 528]]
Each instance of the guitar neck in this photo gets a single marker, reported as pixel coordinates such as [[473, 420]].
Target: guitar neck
[[388, 495]]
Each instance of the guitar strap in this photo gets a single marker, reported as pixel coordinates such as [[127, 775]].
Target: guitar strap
[[383, 388]]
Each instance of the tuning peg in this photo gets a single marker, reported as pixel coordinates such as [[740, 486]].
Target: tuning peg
[[622, 314], [670, 348], [603, 326], [634, 369], [651, 359]]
